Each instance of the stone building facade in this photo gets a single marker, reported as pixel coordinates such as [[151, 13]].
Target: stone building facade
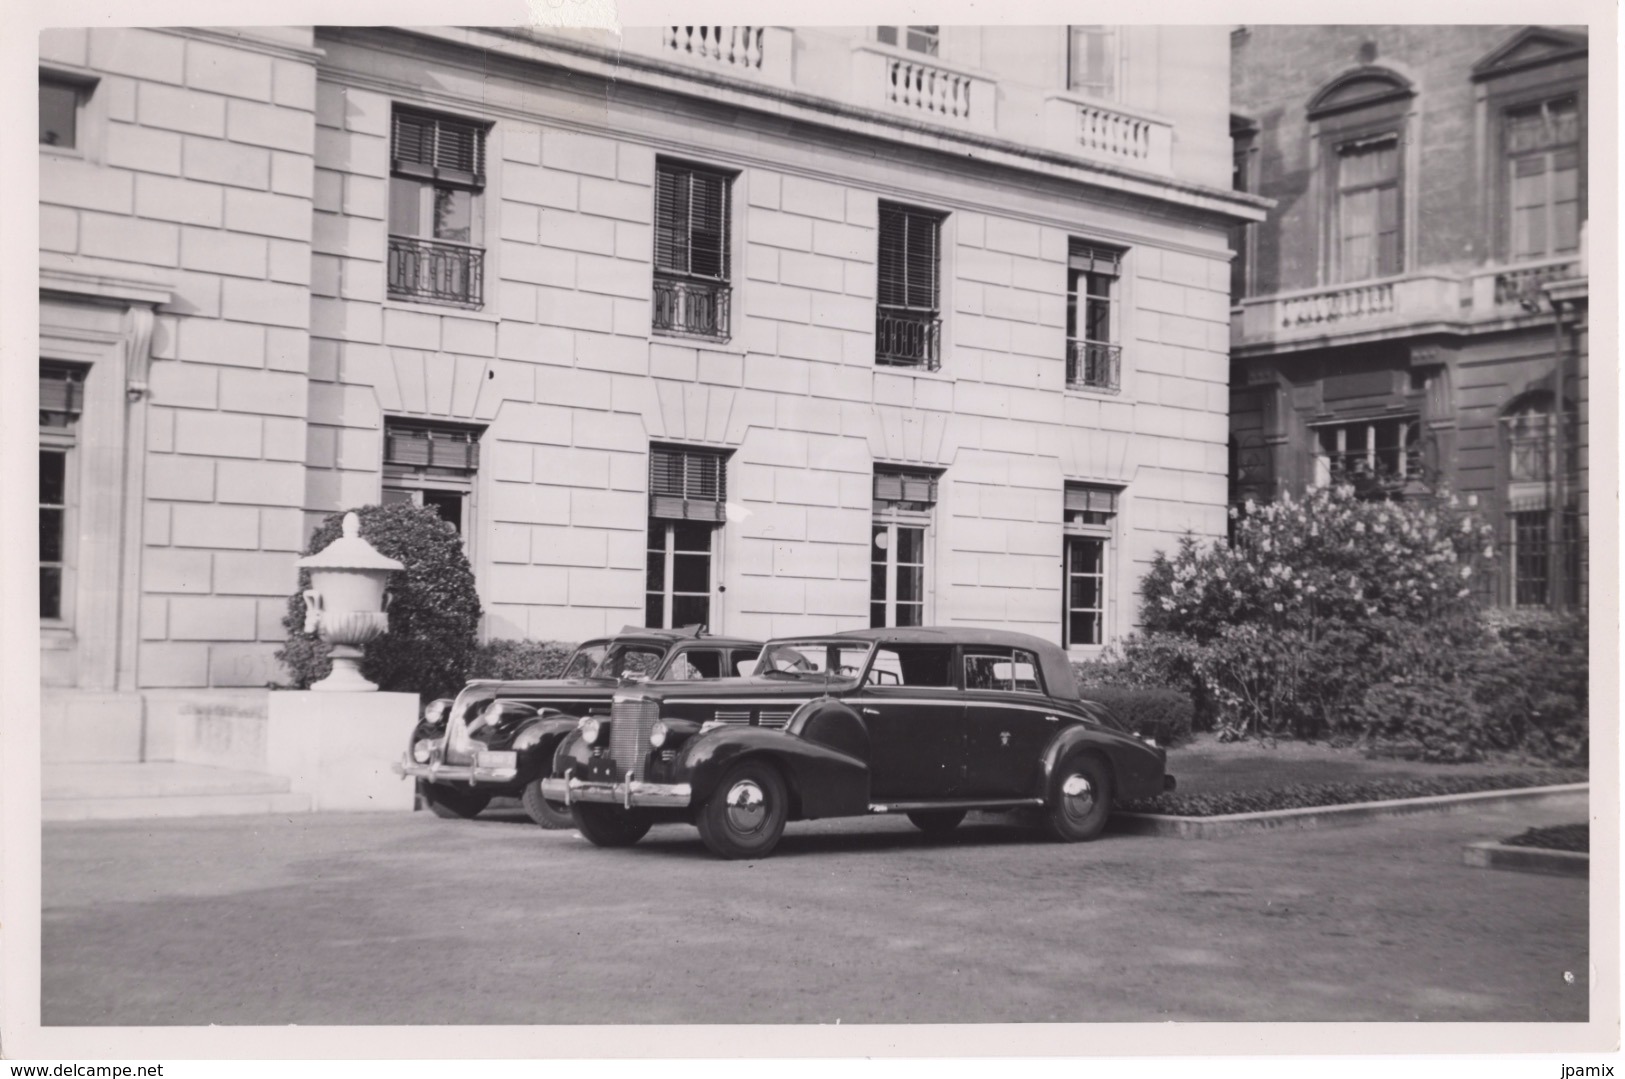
[[1414, 310], [771, 329]]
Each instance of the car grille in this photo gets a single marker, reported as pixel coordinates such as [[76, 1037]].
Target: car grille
[[630, 724]]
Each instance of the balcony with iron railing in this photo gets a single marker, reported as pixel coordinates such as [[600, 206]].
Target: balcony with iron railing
[[1093, 365], [907, 337], [692, 306], [436, 271]]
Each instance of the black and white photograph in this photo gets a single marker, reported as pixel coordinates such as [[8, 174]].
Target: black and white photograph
[[995, 538]]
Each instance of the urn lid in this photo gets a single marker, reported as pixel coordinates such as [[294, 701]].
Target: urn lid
[[350, 551]]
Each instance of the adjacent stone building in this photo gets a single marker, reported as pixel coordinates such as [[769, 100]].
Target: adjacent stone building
[[770, 329], [1414, 310]]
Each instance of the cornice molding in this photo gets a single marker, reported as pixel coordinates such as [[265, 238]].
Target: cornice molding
[[278, 49], [105, 285]]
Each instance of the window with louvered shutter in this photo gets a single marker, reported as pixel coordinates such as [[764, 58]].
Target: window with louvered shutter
[[687, 484], [442, 148], [61, 394], [691, 221], [914, 490], [414, 447], [909, 258]]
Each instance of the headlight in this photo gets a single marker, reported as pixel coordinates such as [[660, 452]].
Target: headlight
[[527, 738], [421, 750], [590, 730], [434, 713], [658, 734]]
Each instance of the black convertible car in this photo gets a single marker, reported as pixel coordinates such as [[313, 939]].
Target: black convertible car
[[497, 738], [927, 722]]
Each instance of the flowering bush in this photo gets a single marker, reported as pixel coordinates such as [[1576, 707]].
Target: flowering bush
[[1316, 600]]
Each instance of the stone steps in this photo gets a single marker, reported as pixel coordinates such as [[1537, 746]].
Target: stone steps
[[124, 791]]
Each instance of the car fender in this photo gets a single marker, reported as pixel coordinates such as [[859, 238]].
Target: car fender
[[570, 752], [1136, 767], [537, 761], [829, 722], [825, 781]]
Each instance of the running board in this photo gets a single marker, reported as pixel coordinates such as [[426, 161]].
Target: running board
[[954, 803]]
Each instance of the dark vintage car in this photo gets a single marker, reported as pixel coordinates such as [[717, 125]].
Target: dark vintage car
[[927, 722], [497, 738]]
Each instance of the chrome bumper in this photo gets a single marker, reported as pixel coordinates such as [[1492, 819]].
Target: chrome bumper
[[631, 793], [439, 772]]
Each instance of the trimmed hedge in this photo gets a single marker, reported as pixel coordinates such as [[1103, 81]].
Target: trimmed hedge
[[1570, 837], [513, 661], [1303, 796], [1163, 714]]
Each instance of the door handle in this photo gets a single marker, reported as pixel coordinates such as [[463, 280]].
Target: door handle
[[871, 712]]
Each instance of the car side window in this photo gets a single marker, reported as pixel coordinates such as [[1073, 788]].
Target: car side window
[[744, 660], [694, 664], [912, 665], [1012, 672]]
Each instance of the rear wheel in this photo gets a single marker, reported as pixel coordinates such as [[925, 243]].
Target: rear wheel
[[549, 815], [1080, 798], [745, 816], [936, 821], [609, 826], [445, 800]]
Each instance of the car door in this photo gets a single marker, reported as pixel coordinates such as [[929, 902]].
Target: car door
[[1009, 722], [915, 716]]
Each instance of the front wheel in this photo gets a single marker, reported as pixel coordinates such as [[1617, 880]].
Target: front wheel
[[1080, 798], [550, 815], [745, 817], [609, 826], [936, 822], [453, 803]]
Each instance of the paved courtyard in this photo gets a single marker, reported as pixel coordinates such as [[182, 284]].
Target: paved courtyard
[[408, 919]]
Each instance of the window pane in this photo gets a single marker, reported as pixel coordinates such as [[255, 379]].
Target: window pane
[[453, 214], [923, 39], [1088, 555], [691, 573], [654, 611], [692, 537], [877, 581], [58, 114], [1085, 592], [910, 614], [910, 585], [910, 545], [877, 615], [405, 207], [1083, 628], [1566, 227], [689, 610], [53, 477], [1098, 320], [449, 504], [886, 35], [50, 592], [655, 575], [50, 535]]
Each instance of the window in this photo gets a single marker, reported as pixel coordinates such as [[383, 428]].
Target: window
[[694, 664], [59, 101], [1543, 177], [1543, 556], [1092, 61], [903, 505], [61, 399], [1015, 671], [1368, 210], [908, 329], [913, 38], [687, 500], [1093, 357], [436, 213], [1090, 514], [432, 465], [692, 252], [1377, 456], [912, 665]]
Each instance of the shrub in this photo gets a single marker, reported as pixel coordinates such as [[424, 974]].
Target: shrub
[[1162, 714], [1534, 686], [434, 610], [1423, 721], [511, 660], [1569, 837]]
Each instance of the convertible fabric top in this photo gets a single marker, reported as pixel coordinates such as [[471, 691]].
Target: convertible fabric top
[[1059, 677]]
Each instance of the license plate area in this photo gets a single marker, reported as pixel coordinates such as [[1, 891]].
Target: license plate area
[[496, 758]]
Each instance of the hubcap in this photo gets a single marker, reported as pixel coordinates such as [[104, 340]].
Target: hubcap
[[1079, 795], [747, 806]]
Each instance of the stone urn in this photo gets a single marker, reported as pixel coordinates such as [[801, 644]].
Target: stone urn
[[347, 603]]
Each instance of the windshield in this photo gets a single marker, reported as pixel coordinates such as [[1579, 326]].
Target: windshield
[[817, 656], [615, 660]]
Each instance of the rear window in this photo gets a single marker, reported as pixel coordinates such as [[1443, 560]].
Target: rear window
[[1012, 672]]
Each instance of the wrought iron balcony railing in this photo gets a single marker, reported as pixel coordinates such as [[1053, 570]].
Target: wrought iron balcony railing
[[433, 271], [1093, 365], [908, 338], [693, 307]]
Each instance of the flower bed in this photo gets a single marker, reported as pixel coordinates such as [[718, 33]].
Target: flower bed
[[1569, 837], [1307, 796]]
